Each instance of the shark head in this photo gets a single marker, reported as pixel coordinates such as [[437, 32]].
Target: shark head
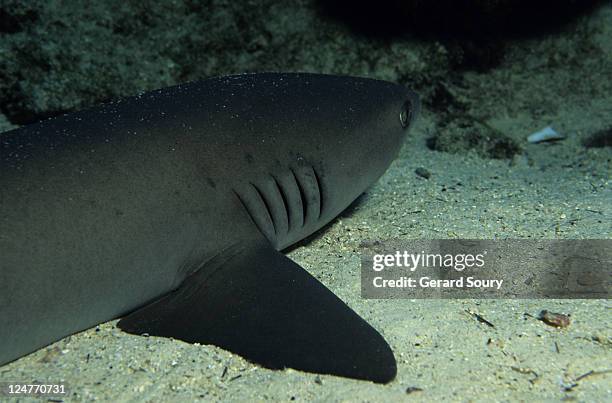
[[372, 119], [308, 145]]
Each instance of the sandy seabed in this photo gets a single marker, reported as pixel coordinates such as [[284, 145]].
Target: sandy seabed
[[443, 352]]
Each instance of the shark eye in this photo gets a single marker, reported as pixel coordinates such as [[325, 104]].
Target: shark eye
[[405, 115]]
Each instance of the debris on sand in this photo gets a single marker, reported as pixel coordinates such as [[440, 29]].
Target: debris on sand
[[554, 319]]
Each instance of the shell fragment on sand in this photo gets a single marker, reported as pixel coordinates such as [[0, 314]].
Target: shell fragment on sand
[[546, 134]]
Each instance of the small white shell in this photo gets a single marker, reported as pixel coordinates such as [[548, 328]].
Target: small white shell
[[546, 134]]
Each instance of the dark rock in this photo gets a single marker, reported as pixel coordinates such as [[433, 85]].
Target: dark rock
[[459, 134], [423, 173]]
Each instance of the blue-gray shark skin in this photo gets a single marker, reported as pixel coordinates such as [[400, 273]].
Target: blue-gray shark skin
[[170, 207]]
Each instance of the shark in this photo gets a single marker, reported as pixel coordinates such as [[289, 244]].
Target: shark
[[171, 209]]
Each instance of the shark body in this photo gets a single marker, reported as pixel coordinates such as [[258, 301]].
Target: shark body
[[169, 209]]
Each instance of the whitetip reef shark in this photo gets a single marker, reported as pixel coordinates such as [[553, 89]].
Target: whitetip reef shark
[[169, 210]]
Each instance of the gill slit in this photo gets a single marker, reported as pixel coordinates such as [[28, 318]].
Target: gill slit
[[319, 190], [283, 195], [302, 196], [266, 205]]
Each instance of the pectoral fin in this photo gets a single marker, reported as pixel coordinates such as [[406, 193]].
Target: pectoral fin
[[259, 304]]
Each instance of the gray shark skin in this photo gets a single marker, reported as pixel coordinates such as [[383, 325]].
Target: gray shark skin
[[169, 208]]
